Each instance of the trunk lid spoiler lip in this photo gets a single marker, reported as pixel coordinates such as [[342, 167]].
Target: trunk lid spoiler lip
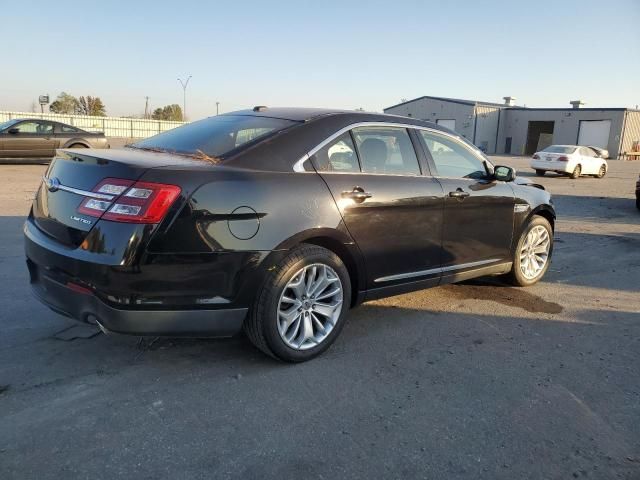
[[138, 158]]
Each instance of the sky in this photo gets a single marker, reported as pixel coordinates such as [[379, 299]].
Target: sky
[[323, 53]]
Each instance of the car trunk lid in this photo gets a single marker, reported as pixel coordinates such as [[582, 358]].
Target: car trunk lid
[[72, 176]]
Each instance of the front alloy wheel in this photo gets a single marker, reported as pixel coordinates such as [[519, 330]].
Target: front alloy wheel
[[602, 171], [534, 252], [532, 255]]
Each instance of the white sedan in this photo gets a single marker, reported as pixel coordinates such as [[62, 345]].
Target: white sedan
[[569, 159]]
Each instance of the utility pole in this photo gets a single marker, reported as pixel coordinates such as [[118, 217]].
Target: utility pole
[[146, 107], [184, 97], [217, 109]]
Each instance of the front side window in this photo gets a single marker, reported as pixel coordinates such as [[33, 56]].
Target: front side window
[[452, 158], [41, 128], [337, 156], [386, 150]]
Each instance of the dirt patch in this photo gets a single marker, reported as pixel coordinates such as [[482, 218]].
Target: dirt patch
[[513, 297]]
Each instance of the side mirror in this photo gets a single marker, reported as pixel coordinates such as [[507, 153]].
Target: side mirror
[[504, 174], [14, 130]]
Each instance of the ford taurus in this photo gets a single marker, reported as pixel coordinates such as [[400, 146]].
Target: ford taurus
[[276, 222]]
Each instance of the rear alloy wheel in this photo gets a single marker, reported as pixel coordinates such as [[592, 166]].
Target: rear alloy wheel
[[301, 308], [533, 253], [576, 172], [602, 172], [540, 173]]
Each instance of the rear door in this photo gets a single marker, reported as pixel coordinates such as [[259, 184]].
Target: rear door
[[478, 212], [590, 163], [392, 211], [33, 139]]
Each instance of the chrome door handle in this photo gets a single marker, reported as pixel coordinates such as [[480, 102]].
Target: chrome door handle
[[459, 193], [358, 194]]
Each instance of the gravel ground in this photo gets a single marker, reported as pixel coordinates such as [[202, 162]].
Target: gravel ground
[[470, 381]]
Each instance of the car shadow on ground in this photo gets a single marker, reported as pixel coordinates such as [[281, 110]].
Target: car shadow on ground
[[600, 209]]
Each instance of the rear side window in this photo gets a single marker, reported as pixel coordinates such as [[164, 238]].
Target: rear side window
[[68, 129], [214, 136], [587, 152], [386, 150], [337, 156]]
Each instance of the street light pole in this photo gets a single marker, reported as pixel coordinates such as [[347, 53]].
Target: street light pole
[[217, 105], [184, 96]]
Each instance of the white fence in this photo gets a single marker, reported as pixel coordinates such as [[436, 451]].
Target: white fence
[[111, 126]]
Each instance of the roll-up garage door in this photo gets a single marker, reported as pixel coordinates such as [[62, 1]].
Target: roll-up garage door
[[594, 133], [447, 123]]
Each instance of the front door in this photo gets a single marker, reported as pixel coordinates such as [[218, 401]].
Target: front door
[[478, 212], [391, 210], [29, 139]]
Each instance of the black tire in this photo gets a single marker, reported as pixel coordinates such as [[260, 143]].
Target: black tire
[[540, 173], [602, 172], [515, 276], [261, 322], [576, 172], [77, 145]]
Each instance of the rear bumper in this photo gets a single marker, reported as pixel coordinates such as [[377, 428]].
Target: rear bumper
[[72, 301], [173, 295], [551, 166]]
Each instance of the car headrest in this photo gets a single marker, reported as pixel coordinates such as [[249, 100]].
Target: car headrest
[[374, 153]]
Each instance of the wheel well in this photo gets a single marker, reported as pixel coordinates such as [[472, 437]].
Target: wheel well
[[339, 249], [548, 216], [78, 144]]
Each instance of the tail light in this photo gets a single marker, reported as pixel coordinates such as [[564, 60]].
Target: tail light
[[563, 158], [132, 202], [536, 157]]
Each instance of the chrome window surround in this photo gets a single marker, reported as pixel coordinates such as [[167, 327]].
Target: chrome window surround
[[84, 193], [299, 165]]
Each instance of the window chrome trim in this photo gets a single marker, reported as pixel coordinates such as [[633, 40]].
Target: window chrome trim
[[84, 193], [403, 276], [299, 165]]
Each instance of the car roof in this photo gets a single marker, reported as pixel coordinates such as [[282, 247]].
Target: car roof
[[309, 114]]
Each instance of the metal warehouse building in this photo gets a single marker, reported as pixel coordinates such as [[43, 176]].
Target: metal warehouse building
[[504, 128]]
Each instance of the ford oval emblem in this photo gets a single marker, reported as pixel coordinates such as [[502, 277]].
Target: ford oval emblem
[[53, 184]]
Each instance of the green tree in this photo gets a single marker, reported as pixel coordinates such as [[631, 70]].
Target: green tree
[[91, 106], [65, 103], [168, 112]]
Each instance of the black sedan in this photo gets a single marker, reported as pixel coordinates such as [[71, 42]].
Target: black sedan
[[276, 221]]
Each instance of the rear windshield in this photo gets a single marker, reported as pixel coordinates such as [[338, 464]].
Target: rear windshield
[[214, 136], [559, 149]]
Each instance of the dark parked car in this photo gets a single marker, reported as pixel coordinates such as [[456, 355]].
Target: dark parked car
[[277, 221], [31, 138], [638, 193]]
